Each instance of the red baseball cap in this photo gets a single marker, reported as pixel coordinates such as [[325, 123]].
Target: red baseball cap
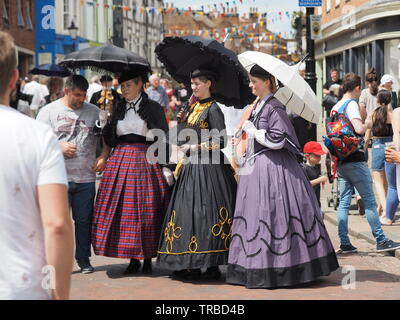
[[314, 147]]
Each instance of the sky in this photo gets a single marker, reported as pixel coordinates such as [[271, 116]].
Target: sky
[[273, 6]]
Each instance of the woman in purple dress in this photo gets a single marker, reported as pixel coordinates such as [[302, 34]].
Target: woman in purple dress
[[278, 235]]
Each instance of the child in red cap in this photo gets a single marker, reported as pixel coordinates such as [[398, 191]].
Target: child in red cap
[[313, 152]]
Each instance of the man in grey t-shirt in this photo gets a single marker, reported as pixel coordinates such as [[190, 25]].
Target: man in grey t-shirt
[[73, 120]]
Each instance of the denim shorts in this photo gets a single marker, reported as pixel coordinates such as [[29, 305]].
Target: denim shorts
[[378, 153]]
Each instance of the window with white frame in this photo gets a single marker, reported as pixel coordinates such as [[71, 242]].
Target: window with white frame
[[66, 15], [20, 17], [337, 3], [328, 5]]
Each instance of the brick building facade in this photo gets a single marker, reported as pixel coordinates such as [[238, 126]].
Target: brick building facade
[[17, 17]]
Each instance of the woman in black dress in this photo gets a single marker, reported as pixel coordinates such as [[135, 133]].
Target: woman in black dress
[[197, 226]]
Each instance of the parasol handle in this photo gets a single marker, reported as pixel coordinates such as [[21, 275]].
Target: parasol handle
[[226, 38]]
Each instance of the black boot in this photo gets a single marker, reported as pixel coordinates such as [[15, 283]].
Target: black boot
[[147, 269], [187, 274], [212, 273], [133, 267]]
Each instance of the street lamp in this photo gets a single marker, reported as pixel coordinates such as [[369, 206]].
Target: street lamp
[[73, 32]]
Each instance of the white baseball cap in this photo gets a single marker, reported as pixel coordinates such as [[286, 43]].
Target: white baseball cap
[[387, 78]]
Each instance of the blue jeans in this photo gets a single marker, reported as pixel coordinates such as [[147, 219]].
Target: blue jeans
[[378, 153], [356, 174], [392, 199], [81, 200]]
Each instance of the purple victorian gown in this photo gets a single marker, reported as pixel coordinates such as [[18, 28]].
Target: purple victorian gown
[[278, 235]]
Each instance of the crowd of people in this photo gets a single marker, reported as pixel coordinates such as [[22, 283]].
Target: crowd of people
[[264, 220]]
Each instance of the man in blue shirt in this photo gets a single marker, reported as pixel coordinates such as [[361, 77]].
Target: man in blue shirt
[[157, 93]]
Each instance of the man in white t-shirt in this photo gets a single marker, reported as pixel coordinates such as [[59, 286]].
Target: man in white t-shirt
[[35, 89], [353, 173], [36, 238], [95, 86], [72, 120]]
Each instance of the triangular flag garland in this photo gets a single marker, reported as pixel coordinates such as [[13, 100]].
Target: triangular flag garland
[[229, 9], [253, 32]]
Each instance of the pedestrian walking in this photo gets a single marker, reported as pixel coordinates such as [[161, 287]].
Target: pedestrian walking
[[55, 86], [353, 172], [197, 226], [157, 93], [387, 81], [35, 89], [333, 80], [278, 234], [17, 95], [392, 157], [133, 194], [368, 97], [313, 152], [381, 130], [72, 120], [36, 237], [94, 86], [368, 103], [107, 97], [331, 99]]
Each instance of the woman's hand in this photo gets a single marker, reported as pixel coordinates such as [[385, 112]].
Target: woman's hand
[[100, 164], [392, 156]]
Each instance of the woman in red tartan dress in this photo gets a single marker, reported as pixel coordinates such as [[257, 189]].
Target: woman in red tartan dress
[[133, 194]]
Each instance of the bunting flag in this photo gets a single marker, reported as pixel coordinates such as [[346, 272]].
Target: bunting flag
[[228, 9], [255, 31]]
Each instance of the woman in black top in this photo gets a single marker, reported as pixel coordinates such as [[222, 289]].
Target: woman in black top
[[197, 226]]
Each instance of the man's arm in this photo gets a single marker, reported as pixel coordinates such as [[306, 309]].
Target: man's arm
[[59, 239], [359, 127]]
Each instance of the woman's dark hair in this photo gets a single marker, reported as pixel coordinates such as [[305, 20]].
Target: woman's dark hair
[[372, 78], [350, 82], [381, 113], [204, 79], [384, 97]]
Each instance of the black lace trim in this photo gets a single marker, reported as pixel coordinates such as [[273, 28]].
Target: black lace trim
[[279, 238]]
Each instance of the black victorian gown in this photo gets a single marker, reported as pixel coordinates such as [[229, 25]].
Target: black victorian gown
[[197, 227]]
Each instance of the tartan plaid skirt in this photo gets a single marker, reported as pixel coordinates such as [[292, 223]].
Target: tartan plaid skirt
[[130, 205]]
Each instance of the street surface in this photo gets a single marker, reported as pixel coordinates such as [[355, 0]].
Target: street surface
[[377, 277]]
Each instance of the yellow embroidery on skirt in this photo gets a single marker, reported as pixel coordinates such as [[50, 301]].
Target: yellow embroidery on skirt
[[218, 229], [193, 241], [170, 232]]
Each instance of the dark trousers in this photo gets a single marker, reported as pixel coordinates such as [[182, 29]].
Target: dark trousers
[[81, 201]]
